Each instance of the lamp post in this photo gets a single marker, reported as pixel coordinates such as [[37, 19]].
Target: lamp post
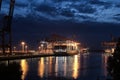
[[26, 48], [14, 49], [39, 48], [23, 46]]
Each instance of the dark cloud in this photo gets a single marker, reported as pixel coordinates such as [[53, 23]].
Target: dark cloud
[[98, 2], [117, 15], [78, 10], [21, 5], [46, 9], [84, 8], [85, 17], [67, 13], [117, 5], [117, 18], [66, 10], [65, 0], [101, 3]]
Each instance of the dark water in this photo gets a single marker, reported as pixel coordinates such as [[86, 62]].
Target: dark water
[[90, 66]]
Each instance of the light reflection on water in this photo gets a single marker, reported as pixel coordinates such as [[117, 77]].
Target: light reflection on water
[[41, 67], [79, 67], [24, 68], [50, 65], [75, 67], [56, 66], [65, 66]]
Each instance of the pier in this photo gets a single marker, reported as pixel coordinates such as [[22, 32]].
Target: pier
[[29, 55], [13, 57]]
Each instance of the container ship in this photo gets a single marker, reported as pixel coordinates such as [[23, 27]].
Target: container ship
[[66, 47], [62, 46]]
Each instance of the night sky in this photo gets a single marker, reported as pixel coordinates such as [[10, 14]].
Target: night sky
[[91, 21]]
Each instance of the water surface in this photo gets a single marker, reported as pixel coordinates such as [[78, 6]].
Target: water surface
[[90, 66]]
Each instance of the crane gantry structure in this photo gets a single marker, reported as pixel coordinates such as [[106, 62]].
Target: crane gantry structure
[[5, 31], [0, 4]]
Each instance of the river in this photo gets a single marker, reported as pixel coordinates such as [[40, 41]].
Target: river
[[87, 66]]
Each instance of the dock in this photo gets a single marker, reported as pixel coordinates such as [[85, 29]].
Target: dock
[[24, 56]]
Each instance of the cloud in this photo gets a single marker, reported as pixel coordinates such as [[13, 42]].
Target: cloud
[[45, 8], [75, 10], [117, 17], [85, 8], [112, 1]]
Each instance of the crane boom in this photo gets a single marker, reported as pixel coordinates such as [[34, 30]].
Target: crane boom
[[11, 10], [0, 4]]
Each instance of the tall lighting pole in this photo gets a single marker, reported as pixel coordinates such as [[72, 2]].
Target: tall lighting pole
[[26, 48], [14, 49]]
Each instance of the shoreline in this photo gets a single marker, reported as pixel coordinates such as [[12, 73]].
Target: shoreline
[[15, 57]]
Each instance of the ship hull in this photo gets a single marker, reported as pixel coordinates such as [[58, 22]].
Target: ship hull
[[66, 53]]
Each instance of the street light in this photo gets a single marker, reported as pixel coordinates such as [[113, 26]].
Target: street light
[[39, 48], [26, 48], [23, 45], [14, 49]]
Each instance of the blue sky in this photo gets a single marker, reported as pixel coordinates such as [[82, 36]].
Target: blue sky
[[91, 20]]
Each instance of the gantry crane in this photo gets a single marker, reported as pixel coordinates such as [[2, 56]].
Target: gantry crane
[[6, 29], [0, 4]]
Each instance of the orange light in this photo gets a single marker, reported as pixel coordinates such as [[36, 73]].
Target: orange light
[[75, 67], [24, 67], [41, 67]]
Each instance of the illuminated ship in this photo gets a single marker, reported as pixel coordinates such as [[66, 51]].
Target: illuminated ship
[[62, 45], [109, 46], [66, 47]]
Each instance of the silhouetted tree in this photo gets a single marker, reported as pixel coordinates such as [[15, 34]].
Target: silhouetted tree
[[114, 63]]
